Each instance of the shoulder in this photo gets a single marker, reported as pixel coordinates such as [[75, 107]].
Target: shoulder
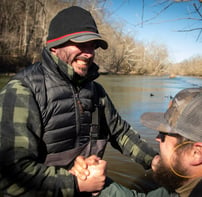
[[99, 88], [15, 86], [31, 77], [29, 72]]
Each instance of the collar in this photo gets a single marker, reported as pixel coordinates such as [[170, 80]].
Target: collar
[[187, 188], [66, 68]]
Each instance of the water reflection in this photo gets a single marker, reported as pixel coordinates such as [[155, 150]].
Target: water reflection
[[132, 96]]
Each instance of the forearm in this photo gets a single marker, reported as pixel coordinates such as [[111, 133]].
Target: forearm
[[27, 176], [21, 160], [126, 139], [137, 148], [21, 171], [113, 189]]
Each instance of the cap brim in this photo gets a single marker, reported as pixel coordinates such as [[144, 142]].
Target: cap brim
[[155, 121], [89, 37]]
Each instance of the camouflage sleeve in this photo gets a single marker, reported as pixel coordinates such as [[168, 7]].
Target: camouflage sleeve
[[137, 148], [125, 138], [20, 132]]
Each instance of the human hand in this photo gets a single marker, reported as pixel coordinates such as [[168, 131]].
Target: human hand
[[80, 168], [96, 179]]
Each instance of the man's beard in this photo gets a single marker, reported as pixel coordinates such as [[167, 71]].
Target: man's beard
[[166, 177]]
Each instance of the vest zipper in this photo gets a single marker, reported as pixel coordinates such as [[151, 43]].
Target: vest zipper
[[78, 111]]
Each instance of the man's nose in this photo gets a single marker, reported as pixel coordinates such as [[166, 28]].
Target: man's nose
[[88, 52]]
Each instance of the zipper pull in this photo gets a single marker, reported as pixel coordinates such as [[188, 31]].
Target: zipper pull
[[80, 106], [79, 103]]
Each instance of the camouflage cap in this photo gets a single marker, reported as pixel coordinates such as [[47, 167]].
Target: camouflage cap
[[183, 116]]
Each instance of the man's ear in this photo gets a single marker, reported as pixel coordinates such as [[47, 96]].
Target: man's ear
[[197, 154], [53, 50]]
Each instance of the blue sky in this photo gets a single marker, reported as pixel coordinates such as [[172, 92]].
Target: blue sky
[[163, 29]]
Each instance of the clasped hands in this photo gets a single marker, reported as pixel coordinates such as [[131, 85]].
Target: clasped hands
[[90, 173]]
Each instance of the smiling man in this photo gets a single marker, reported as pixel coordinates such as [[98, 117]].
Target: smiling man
[[79, 55], [53, 111], [178, 167]]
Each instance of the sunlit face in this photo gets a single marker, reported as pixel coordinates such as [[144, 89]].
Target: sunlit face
[[79, 55], [168, 157], [167, 144]]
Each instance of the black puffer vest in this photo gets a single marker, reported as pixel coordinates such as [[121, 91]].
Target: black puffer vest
[[66, 110]]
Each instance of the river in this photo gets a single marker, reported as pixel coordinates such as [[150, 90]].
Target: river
[[132, 96]]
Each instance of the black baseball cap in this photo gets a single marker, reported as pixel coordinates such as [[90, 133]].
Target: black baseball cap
[[74, 24]]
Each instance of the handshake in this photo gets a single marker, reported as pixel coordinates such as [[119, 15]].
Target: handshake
[[90, 173]]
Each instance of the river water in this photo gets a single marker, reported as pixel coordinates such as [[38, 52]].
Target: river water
[[132, 96]]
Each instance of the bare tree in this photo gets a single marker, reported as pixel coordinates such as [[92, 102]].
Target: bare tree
[[24, 24], [194, 14]]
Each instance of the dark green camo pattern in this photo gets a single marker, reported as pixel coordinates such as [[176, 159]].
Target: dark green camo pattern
[[20, 134], [19, 117]]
